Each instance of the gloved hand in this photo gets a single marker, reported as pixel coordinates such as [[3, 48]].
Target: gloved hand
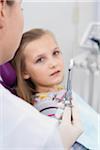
[[70, 129]]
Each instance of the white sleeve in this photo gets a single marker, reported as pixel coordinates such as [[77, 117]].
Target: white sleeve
[[22, 127], [54, 141]]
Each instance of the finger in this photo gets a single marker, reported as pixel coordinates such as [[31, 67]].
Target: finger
[[66, 118], [75, 112]]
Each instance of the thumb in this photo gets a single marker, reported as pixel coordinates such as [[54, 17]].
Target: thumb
[[66, 118]]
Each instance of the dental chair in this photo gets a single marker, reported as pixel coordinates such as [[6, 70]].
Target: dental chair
[[8, 77]]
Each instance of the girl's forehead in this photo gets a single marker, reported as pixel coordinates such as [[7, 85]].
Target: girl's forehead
[[42, 44]]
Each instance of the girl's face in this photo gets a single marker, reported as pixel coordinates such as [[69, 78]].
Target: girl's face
[[44, 63]]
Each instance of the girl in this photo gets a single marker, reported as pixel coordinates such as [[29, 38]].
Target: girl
[[40, 71]]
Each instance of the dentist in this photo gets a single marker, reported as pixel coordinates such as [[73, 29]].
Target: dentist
[[21, 125]]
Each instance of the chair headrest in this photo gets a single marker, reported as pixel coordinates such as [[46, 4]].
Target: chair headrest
[[8, 74]]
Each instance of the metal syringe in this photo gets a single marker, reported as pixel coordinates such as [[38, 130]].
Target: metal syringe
[[68, 96]]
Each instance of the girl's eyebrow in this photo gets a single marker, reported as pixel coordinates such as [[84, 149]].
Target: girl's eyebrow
[[40, 55], [56, 48]]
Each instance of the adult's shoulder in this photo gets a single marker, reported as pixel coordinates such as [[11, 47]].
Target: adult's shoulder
[[24, 125]]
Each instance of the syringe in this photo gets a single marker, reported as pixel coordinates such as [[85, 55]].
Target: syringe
[[69, 85], [68, 97]]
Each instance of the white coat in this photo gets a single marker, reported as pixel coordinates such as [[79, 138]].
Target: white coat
[[22, 127]]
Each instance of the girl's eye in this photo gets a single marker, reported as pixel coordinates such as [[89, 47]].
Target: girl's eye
[[55, 53], [40, 60]]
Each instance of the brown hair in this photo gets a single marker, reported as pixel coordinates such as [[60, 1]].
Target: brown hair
[[26, 88]]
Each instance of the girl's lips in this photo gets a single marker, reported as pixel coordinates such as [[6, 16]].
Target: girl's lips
[[56, 72]]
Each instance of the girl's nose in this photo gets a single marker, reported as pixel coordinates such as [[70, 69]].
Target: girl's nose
[[52, 63]]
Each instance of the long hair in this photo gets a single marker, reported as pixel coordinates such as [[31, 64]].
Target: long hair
[[26, 88]]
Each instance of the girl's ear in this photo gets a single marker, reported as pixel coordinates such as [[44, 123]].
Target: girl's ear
[[26, 75]]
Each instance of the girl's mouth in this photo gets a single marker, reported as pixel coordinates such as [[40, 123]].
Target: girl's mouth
[[55, 73]]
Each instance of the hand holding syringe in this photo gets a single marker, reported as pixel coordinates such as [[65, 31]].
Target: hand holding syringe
[[68, 96]]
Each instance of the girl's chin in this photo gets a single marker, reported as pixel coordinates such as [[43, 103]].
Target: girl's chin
[[55, 83], [57, 80]]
